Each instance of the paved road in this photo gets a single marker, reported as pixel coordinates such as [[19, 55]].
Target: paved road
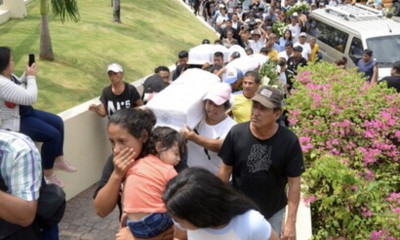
[[81, 222]]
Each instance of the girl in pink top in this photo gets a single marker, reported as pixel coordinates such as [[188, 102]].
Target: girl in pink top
[[145, 183]]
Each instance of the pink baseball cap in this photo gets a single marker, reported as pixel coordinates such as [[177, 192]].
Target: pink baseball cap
[[219, 93]]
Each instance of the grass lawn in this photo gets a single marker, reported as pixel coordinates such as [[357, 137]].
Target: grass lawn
[[151, 34]]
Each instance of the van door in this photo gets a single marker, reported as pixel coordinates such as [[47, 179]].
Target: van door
[[332, 41], [356, 51]]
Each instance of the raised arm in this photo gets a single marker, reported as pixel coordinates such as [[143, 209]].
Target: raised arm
[[18, 94], [208, 143], [114, 172]]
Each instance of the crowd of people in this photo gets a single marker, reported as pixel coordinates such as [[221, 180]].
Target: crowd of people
[[235, 175]]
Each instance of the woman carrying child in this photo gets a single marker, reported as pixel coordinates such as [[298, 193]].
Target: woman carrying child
[[146, 214]]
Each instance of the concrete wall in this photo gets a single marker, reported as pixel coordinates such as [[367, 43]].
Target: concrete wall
[[86, 146], [13, 9]]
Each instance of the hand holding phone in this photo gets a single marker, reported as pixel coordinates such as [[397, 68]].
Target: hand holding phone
[[31, 59]]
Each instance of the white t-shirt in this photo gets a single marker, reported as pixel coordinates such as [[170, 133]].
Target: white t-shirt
[[306, 49], [257, 45], [296, 30], [197, 156], [249, 226], [284, 55]]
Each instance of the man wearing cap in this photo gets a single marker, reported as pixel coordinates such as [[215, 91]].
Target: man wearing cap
[[263, 157], [296, 60], [306, 53], [118, 95], [156, 82], [257, 39], [206, 139]]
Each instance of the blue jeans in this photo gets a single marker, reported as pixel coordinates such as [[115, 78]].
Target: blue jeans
[[151, 225], [276, 220], [50, 233], [48, 128]]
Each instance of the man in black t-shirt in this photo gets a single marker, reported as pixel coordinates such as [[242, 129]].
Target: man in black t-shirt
[[263, 157], [118, 95], [297, 60], [393, 81]]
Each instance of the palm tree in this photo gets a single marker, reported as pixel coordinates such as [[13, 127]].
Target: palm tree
[[61, 8], [116, 4]]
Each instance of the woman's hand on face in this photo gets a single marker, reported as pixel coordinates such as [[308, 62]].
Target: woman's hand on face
[[30, 70], [123, 161]]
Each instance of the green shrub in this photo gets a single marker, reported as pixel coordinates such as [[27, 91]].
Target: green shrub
[[350, 134]]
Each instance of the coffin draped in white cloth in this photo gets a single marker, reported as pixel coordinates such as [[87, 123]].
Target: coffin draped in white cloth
[[181, 103], [244, 64], [204, 53]]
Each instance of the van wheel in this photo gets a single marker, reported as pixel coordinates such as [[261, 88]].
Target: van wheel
[[396, 8]]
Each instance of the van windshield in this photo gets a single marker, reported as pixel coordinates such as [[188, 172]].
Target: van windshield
[[385, 49]]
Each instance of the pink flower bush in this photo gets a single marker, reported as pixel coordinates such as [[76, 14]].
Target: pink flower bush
[[335, 112]]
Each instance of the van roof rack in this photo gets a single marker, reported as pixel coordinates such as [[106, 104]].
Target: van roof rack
[[356, 12]]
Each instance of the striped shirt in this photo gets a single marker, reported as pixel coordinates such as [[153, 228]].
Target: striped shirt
[[20, 165]]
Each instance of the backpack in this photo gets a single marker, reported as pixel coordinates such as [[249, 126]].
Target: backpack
[[50, 210]]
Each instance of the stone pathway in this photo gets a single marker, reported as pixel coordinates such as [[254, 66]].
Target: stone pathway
[[81, 221]]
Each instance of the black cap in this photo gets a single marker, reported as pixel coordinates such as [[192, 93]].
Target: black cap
[[298, 49]]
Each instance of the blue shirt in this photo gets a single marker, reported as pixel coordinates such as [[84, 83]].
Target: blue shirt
[[367, 68]]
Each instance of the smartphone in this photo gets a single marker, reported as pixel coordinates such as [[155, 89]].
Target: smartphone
[[31, 59]]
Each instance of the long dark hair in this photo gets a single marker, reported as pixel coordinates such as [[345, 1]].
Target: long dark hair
[[167, 137], [137, 121], [5, 55], [198, 196]]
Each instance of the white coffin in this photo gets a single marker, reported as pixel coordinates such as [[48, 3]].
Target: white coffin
[[204, 53], [244, 64], [181, 103]]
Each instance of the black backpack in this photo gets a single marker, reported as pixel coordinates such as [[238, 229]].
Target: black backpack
[[50, 210]]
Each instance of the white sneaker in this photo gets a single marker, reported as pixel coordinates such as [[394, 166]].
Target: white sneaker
[[53, 179], [65, 166]]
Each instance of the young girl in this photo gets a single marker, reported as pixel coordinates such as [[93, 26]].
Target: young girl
[[146, 180]]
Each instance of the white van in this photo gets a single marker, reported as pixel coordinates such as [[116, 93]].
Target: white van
[[347, 30]]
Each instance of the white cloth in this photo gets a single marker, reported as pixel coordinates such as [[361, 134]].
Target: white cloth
[[181, 103], [197, 156], [249, 226]]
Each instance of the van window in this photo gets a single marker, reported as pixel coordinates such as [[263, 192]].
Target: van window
[[385, 49], [356, 50], [328, 35]]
